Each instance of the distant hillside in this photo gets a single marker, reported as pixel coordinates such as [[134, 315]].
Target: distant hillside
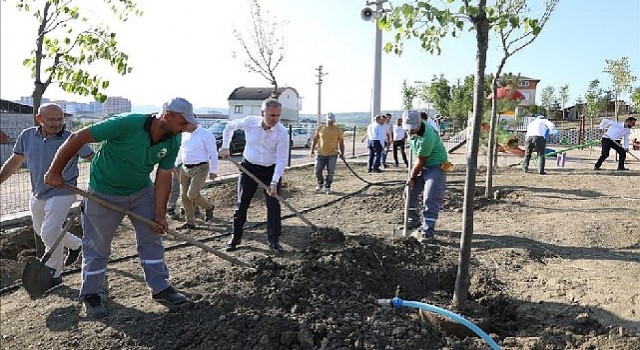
[[359, 119]]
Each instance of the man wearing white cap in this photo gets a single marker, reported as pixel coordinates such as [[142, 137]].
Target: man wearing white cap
[[132, 144], [328, 138], [427, 175]]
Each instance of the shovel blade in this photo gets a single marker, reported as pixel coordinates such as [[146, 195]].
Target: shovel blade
[[37, 278]]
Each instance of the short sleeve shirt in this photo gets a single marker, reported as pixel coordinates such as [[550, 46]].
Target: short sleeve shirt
[[38, 152], [329, 138], [127, 155], [429, 145]]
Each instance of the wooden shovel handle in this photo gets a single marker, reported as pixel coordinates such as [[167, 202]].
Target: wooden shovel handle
[[67, 226], [152, 223], [276, 196]]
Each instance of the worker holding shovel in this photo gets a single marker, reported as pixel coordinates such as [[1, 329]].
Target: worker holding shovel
[[265, 157], [49, 206], [428, 174], [132, 144]]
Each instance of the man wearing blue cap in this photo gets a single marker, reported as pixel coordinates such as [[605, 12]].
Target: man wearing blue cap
[[427, 175], [132, 144]]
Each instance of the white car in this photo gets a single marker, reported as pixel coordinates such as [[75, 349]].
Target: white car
[[300, 138]]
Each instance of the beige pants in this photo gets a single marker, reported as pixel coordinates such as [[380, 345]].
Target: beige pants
[[191, 182]]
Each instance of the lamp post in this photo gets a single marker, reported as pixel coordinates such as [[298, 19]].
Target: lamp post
[[368, 14], [319, 83]]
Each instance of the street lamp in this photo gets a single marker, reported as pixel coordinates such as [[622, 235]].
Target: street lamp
[[368, 14]]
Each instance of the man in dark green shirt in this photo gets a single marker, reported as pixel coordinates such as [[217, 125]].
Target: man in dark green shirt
[[132, 144], [426, 175]]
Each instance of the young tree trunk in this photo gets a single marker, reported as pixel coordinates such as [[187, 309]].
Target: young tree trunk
[[482, 39]]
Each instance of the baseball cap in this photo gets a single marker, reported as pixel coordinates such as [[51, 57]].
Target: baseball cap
[[182, 106], [331, 117], [411, 119]]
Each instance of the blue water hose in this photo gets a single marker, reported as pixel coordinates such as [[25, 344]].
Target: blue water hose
[[397, 303]]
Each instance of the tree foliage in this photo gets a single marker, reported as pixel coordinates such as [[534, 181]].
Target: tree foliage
[[595, 99], [621, 77], [563, 97], [68, 42], [409, 93], [261, 44], [548, 98], [635, 99]]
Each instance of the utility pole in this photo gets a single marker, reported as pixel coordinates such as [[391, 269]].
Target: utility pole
[[368, 14], [320, 74]]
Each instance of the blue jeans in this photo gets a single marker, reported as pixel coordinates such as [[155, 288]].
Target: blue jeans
[[330, 163], [432, 183], [375, 151]]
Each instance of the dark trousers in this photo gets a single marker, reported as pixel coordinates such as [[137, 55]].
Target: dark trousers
[[607, 145], [246, 189], [539, 143], [375, 152], [399, 145]]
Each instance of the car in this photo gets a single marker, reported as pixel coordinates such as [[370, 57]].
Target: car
[[238, 141], [300, 137]]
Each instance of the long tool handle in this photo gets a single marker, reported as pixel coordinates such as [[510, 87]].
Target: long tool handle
[[276, 196], [633, 155], [67, 226], [174, 233]]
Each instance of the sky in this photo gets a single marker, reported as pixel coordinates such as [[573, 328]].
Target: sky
[[184, 48]]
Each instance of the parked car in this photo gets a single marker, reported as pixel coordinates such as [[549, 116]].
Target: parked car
[[300, 138], [238, 141]]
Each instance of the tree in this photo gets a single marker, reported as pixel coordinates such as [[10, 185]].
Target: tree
[[263, 47], [548, 98], [461, 100], [68, 42], [514, 34], [594, 98], [563, 95], [621, 78], [409, 93], [635, 99], [429, 24], [438, 93]]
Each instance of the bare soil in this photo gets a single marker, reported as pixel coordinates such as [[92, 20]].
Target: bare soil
[[555, 264]]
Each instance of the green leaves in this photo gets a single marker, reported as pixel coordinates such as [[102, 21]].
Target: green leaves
[[69, 43]]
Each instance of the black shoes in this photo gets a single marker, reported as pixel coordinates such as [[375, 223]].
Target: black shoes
[[72, 256], [208, 215], [595, 167], [93, 305], [276, 248], [543, 173], [622, 169], [169, 296], [186, 226], [230, 247]]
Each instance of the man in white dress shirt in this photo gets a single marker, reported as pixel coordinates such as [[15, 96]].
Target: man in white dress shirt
[[199, 157], [535, 138], [265, 156], [616, 131]]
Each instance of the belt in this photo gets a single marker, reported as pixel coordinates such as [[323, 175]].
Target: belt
[[189, 166]]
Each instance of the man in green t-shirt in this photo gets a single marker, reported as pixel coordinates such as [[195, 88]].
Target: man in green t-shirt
[[426, 175], [131, 146]]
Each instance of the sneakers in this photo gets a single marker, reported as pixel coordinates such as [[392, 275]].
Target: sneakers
[[208, 215], [72, 256], [327, 190], [186, 226], [172, 214], [93, 305], [276, 248], [169, 296], [318, 188]]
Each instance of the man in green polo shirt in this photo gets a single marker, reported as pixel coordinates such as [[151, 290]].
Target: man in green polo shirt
[[427, 174], [132, 144]]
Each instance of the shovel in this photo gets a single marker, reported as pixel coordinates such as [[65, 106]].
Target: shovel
[[36, 276], [276, 196], [149, 222]]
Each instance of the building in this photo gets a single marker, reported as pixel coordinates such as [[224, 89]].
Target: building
[[244, 101], [527, 87], [116, 105]]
